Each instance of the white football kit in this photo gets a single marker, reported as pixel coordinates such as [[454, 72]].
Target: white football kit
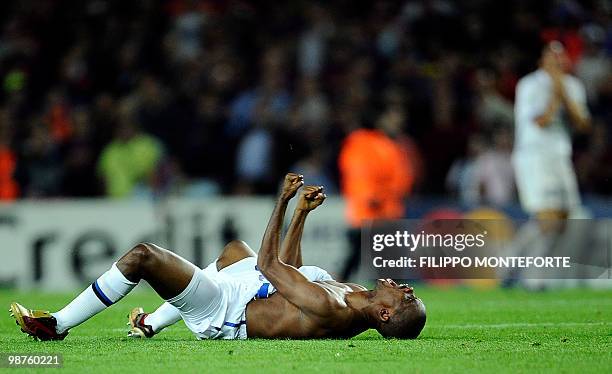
[[213, 305], [542, 155]]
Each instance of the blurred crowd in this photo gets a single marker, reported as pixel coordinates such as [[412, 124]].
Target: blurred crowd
[[187, 97]]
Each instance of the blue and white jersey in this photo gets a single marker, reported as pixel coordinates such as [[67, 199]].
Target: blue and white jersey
[[240, 283]]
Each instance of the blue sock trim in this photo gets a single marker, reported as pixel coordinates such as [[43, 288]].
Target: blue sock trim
[[96, 289], [231, 324]]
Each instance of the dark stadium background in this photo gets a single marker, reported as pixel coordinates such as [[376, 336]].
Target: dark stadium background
[[188, 68], [219, 99], [173, 122]]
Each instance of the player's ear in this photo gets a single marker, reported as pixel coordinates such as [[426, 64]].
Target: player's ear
[[384, 314]]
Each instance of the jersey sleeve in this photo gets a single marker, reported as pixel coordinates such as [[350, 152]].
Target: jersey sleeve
[[315, 273], [529, 104]]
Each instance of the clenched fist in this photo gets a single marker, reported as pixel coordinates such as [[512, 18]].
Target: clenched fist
[[311, 197], [291, 184]]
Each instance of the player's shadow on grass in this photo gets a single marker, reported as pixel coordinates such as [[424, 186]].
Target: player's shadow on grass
[[179, 339]]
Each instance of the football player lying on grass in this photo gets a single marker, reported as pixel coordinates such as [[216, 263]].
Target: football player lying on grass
[[241, 294]]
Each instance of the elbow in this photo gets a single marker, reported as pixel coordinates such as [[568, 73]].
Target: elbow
[[264, 261], [269, 266], [261, 263]]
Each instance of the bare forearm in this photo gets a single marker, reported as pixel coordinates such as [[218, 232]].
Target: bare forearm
[[291, 250], [280, 274], [309, 297], [268, 253]]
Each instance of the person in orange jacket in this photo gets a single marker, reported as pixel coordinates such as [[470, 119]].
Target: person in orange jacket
[[376, 176], [9, 189]]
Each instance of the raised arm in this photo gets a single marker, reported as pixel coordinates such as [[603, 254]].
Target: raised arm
[[553, 62], [576, 108], [551, 66], [289, 282], [271, 237], [291, 248]]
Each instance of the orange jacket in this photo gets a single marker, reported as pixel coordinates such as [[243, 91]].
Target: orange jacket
[[8, 187], [376, 176]]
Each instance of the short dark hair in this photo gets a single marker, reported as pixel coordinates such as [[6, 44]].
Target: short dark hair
[[407, 321]]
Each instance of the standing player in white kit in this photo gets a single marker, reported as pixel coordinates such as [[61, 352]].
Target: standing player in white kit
[[549, 103]]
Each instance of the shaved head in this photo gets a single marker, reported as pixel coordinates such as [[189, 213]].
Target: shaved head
[[406, 322]]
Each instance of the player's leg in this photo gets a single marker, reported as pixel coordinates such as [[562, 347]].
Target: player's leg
[[558, 194], [553, 217], [166, 272], [534, 183], [233, 252], [148, 324], [190, 293], [551, 213]]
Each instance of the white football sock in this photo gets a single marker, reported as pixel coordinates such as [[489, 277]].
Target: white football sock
[[164, 316], [111, 287]]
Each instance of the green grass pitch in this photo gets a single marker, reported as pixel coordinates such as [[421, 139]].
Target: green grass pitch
[[467, 330]]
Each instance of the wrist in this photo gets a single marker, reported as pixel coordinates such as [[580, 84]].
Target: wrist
[[283, 198]]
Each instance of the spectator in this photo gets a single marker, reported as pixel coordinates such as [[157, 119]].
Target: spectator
[[254, 162], [312, 43], [9, 189], [42, 161], [312, 108], [192, 68], [187, 32], [256, 114], [491, 106], [130, 158], [493, 172], [594, 67], [79, 177], [312, 167], [461, 178], [268, 103], [376, 179]]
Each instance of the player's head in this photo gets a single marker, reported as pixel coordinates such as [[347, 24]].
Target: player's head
[[399, 313], [554, 53]]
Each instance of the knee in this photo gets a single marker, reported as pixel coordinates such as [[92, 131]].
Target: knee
[[233, 252], [237, 249], [141, 255], [235, 244], [138, 261]]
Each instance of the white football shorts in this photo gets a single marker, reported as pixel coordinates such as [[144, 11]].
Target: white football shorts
[[213, 305], [546, 182]]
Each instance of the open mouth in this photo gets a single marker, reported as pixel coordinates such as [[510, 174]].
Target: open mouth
[[387, 283]]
